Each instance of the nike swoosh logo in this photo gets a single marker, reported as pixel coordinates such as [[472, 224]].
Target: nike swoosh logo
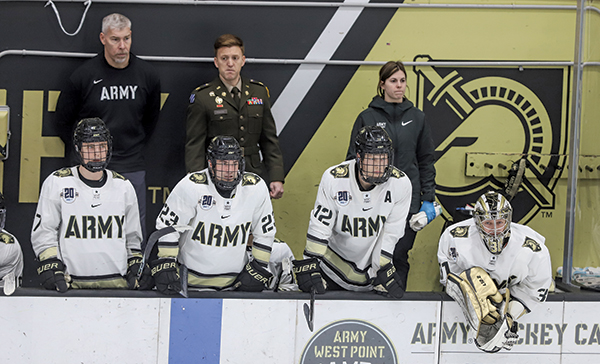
[[367, 209], [97, 81], [405, 123], [94, 206], [224, 216]]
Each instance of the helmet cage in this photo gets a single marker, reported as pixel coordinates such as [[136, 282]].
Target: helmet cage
[[374, 141], [493, 215], [92, 130], [225, 148]]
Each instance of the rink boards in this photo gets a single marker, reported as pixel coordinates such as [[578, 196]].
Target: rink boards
[[74, 329]]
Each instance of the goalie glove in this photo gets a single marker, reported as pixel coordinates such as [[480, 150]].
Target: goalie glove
[[253, 278], [388, 282], [165, 272], [308, 275], [52, 275], [477, 295], [501, 335], [133, 266]]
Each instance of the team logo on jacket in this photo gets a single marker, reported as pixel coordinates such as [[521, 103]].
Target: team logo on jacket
[[343, 197], [206, 202], [484, 119], [532, 244], [68, 194]]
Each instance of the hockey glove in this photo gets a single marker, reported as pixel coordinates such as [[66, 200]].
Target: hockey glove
[[501, 335], [308, 275], [253, 278], [52, 275], [388, 282], [133, 267], [165, 272]]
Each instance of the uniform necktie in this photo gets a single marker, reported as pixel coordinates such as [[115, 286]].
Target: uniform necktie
[[236, 96]]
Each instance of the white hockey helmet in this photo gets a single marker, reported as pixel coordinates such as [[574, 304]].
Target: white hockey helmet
[[493, 214]]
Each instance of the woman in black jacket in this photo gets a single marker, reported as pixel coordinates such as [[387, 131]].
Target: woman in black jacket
[[413, 152]]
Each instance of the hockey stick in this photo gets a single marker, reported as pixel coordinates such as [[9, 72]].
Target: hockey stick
[[183, 272], [309, 312], [515, 177], [153, 238]]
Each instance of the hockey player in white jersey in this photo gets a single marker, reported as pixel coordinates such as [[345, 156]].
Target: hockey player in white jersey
[[359, 215], [86, 232], [11, 256], [496, 270], [223, 205]]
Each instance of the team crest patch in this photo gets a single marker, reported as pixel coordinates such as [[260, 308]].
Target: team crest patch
[[6, 239], [206, 202], [343, 198], [532, 244], [64, 172], [199, 178], [68, 194], [460, 232], [340, 171], [250, 179], [396, 173]]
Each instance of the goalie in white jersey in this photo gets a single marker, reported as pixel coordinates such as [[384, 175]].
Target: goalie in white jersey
[[358, 217], [11, 256], [223, 205], [86, 232], [496, 270]]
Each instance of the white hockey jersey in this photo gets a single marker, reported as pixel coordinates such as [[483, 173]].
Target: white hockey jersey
[[214, 250], [11, 262], [352, 232], [93, 231], [523, 266]]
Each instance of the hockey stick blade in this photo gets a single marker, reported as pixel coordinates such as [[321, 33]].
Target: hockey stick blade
[[152, 241], [515, 178], [309, 312]]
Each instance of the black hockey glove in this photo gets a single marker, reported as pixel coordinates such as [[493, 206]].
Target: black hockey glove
[[165, 272], [388, 282], [308, 275], [145, 282], [52, 275], [253, 278]]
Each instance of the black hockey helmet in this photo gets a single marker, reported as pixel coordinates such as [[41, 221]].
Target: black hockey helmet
[[92, 130], [224, 147], [374, 140], [2, 212]]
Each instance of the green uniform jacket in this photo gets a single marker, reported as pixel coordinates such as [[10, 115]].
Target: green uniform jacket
[[212, 112]]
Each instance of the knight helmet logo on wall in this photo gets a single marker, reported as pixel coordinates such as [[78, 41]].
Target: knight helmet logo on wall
[[484, 119]]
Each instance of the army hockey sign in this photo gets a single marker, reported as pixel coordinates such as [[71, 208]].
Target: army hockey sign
[[484, 119], [349, 341]]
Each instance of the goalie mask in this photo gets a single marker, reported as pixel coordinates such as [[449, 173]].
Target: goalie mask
[[226, 162], [93, 144], [375, 154], [493, 215], [2, 212]]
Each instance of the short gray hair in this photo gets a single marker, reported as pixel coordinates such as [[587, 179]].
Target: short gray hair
[[115, 21]]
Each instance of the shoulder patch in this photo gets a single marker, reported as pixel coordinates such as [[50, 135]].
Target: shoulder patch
[[118, 176], [250, 179], [199, 178], [6, 239], [340, 171], [532, 244], [396, 173], [63, 172], [460, 232]]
